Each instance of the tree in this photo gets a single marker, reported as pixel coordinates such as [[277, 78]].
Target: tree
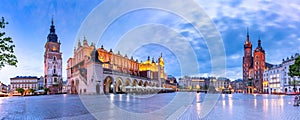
[[46, 90], [20, 90], [294, 71], [41, 88], [31, 90], [7, 56]]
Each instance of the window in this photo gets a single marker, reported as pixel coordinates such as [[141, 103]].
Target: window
[[54, 58], [54, 70]]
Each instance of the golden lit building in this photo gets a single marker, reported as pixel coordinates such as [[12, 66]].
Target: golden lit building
[[117, 62], [112, 63]]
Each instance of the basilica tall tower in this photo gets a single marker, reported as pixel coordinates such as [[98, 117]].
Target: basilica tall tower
[[53, 62], [247, 61]]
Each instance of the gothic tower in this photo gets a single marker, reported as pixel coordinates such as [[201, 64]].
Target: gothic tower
[[259, 66], [53, 62], [247, 60]]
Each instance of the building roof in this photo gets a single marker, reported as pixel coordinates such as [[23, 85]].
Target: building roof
[[268, 65], [52, 37], [25, 77]]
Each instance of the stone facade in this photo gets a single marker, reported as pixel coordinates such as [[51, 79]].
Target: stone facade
[[98, 71], [53, 62], [25, 82], [237, 85], [278, 79], [273, 78]]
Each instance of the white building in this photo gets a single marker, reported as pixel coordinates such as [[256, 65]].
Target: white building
[[288, 82], [277, 77], [273, 76], [193, 82], [25, 82]]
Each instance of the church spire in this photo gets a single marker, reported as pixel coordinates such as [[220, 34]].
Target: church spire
[[248, 43], [259, 47], [248, 39], [259, 42], [247, 32]]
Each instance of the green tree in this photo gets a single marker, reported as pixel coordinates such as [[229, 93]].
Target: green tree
[[21, 90], [41, 87], [294, 71], [7, 56], [46, 90], [31, 90]]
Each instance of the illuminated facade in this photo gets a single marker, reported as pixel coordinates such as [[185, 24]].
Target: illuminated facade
[[98, 71], [25, 82], [53, 62], [272, 82], [253, 67], [278, 79], [237, 86]]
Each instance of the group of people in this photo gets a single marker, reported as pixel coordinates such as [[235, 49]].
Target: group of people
[[297, 100]]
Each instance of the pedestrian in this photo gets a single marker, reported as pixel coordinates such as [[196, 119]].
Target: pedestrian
[[296, 101]]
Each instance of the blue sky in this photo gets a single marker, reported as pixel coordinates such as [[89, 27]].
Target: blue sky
[[277, 22]]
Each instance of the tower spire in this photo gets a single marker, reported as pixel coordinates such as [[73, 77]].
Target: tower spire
[[52, 37], [259, 41], [52, 21], [248, 35], [52, 27], [247, 31]]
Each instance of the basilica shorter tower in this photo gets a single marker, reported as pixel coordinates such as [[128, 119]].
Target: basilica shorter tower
[[53, 62]]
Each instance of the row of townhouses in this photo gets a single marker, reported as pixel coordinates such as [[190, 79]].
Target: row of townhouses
[[276, 78], [203, 83]]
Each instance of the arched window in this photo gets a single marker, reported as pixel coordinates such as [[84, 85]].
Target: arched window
[[54, 58], [54, 69]]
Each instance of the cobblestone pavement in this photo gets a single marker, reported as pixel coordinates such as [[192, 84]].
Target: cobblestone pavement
[[161, 106], [247, 107], [42, 107]]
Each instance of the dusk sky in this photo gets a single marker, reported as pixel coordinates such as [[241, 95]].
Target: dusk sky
[[276, 22]]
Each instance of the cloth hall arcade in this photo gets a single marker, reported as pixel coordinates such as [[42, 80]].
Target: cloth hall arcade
[[99, 71]]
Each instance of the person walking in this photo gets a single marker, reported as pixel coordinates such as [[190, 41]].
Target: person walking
[[296, 101]]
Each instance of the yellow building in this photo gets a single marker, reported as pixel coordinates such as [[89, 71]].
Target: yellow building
[[111, 63]]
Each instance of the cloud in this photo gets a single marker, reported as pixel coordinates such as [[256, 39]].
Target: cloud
[[276, 22], [29, 64], [235, 57]]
